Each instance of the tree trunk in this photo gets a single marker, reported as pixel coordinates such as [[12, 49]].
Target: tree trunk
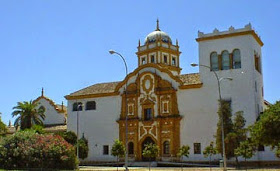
[[246, 163], [117, 163], [149, 163], [237, 162], [210, 163], [181, 163]]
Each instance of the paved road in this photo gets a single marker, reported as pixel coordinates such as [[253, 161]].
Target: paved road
[[98, 168]]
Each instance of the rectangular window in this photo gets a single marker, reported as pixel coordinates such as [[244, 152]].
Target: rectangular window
[[196, 148], [173, 61], [143, 61], [152, 59], [257, 63], [105, 150], [147, 114], [256, 88], [165, 59], [258, 109]]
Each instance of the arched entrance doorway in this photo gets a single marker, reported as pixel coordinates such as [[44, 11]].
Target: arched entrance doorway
[[146, 141]]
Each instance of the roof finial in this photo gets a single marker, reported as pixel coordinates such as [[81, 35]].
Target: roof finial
[[139, 43], [42, 93], [62, 106], [10, 123], [177, 42], [157, 26]]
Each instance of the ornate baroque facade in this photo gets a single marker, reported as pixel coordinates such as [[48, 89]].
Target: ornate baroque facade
[[166, 107]]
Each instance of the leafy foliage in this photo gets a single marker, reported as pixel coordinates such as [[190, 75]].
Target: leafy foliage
[[238, 134], [28, 114], [69, 136], [278, 151], [246, 149], [184, 151], [151, 150], [210, 150], [3, 127], [27, 149], [38, 129], [225, 113], [83, 148], [118, 149], [266, 130]]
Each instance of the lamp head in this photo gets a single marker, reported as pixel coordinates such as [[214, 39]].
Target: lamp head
[[229, 78], [111, 51], [194, 64]]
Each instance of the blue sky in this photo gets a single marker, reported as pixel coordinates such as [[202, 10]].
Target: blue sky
[[63, 45]]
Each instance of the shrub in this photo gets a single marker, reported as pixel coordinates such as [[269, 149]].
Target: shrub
[[83, 148], [27, 149], [69, 136], [38, 129]]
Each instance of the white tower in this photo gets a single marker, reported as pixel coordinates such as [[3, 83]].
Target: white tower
[[234, 53]]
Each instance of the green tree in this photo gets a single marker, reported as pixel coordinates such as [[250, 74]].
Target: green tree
[[69, 136], [38, 129], [225, 113], [278, 151], [118, 150], [246, 149], [209, 151], [238, 134], [28, 114], [266, 130], [83, 148], [183, 151], [150, 151], [3, 128]]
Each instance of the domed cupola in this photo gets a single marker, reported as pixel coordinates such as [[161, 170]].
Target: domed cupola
[[158, 49], [158, 35]]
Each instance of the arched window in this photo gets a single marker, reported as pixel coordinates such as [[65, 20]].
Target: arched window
[[152, 59], [225, 60], [90, 105], [42, 109], [236, 59], [130, 148], [77, 106], [166, 147], [214, 61]]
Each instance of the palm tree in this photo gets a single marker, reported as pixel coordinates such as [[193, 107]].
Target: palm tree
[[28, 114]]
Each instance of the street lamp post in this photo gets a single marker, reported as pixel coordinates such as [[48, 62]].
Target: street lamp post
[[126, 128], [220, 98], [79, 106]]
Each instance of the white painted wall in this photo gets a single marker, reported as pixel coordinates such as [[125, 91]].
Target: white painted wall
[[99, 126], [52, 116], [197, 106]]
